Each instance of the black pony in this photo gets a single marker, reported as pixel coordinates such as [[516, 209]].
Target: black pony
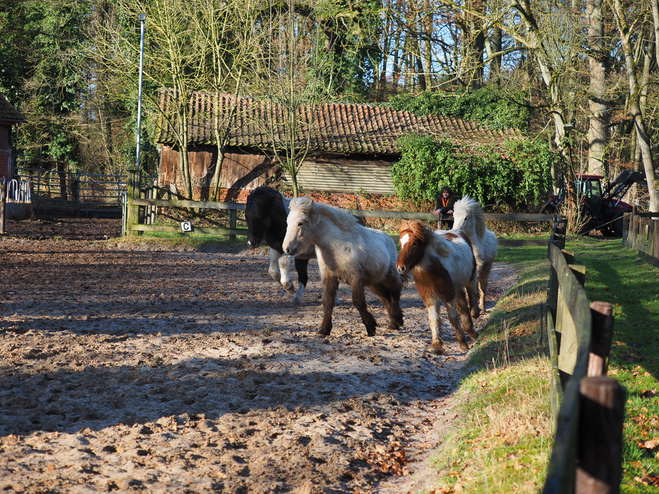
[[266, 211]]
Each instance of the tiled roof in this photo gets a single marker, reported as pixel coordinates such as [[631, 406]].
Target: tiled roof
[[336, 127], [8, 113]]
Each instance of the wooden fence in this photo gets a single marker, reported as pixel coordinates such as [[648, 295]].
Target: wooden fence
[[588, 407], [140, 204], [641, 232]]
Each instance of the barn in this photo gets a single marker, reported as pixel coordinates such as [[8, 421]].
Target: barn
[[351, 146], [9, 116]]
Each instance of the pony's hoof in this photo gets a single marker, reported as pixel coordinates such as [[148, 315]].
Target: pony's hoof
[[437, 348], [475, 313], [325, 332], [370, 332], [289, 287], [463, 346], [473, 335], [393, 325]]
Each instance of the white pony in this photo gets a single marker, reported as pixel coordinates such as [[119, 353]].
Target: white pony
[[468, 217], [348, 252]]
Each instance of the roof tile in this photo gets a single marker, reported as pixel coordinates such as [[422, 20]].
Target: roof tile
[[336, 127]]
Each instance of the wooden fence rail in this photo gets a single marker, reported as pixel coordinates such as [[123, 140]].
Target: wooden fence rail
[[139, 204], [641, 232], [587, 406]]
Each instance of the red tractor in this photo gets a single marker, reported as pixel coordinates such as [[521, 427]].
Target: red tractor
[[602, 207]]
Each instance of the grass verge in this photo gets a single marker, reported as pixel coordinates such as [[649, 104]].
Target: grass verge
[[503, 437], [632, 286]]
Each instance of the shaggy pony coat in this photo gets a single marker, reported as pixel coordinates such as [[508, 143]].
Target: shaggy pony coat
[[347, 252], [468, 217], [443, 266]]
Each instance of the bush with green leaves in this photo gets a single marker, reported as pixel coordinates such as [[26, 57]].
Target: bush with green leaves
[[516, 175], [491, 106]]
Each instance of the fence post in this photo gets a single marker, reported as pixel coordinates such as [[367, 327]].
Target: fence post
[[131, 211], [233, 214], [599, 451], [601, 314], [3, 207]]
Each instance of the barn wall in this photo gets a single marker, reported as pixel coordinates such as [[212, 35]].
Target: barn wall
[[340, 174], [240, 171], [5, 151]]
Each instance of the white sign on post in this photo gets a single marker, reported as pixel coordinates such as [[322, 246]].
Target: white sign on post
[[186, 226]]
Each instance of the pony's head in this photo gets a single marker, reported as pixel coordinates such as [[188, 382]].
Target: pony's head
[[468, 214], [414, 239], [263, 209], [299, 226]]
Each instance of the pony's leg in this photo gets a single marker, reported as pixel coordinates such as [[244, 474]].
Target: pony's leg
[[454, 318], [472, 294], [463, 310], [483, 277], [302, 278], [359, 299], [273, 269], [285, 280], [437, 345], [330, 286], [391, 301]]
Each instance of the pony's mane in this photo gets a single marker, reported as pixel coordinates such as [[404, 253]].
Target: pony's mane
[[473, 207], [265, 198], [343, 219], [424, 234]]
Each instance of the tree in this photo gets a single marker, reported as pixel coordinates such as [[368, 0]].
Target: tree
[[598, 103], [643, 138], [43, 75], [290, 78], [226, 29]]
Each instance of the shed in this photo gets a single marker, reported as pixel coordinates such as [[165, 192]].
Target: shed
[[9, 116], [352, 146]]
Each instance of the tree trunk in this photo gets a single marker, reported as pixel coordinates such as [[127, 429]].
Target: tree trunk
[[634, 105], [598, 103]]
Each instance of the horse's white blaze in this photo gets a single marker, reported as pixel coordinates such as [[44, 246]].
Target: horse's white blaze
[[404, 239]]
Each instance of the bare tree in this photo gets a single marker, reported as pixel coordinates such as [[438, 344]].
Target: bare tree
[[290, 79], [598, 102], [226, 28], [643, 138]]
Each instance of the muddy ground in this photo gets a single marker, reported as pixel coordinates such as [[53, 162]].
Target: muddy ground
[[130, 369]]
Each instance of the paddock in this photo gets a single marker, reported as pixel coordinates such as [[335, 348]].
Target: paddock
[[126, 367]]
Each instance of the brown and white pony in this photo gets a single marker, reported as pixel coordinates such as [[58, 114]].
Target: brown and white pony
[[348, 252], [468, 217], [443, 266]]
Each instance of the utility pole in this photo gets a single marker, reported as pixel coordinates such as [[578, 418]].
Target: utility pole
[[142, 19]]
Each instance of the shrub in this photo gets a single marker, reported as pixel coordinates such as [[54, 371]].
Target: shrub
[[517, 175]]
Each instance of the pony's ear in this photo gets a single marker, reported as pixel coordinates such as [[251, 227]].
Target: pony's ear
[[404, 225]]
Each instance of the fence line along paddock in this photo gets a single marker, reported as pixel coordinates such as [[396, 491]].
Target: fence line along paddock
[[133, 215], [588, 407], [641, 233], [75, 191]]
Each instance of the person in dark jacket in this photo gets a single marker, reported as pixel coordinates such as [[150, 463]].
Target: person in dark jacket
[[445, 202]]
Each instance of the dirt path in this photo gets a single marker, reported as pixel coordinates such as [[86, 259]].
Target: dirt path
[[160, 371]]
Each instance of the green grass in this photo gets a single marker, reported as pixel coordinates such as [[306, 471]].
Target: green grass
[[631, 285], [502, 439], [186, 241]]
